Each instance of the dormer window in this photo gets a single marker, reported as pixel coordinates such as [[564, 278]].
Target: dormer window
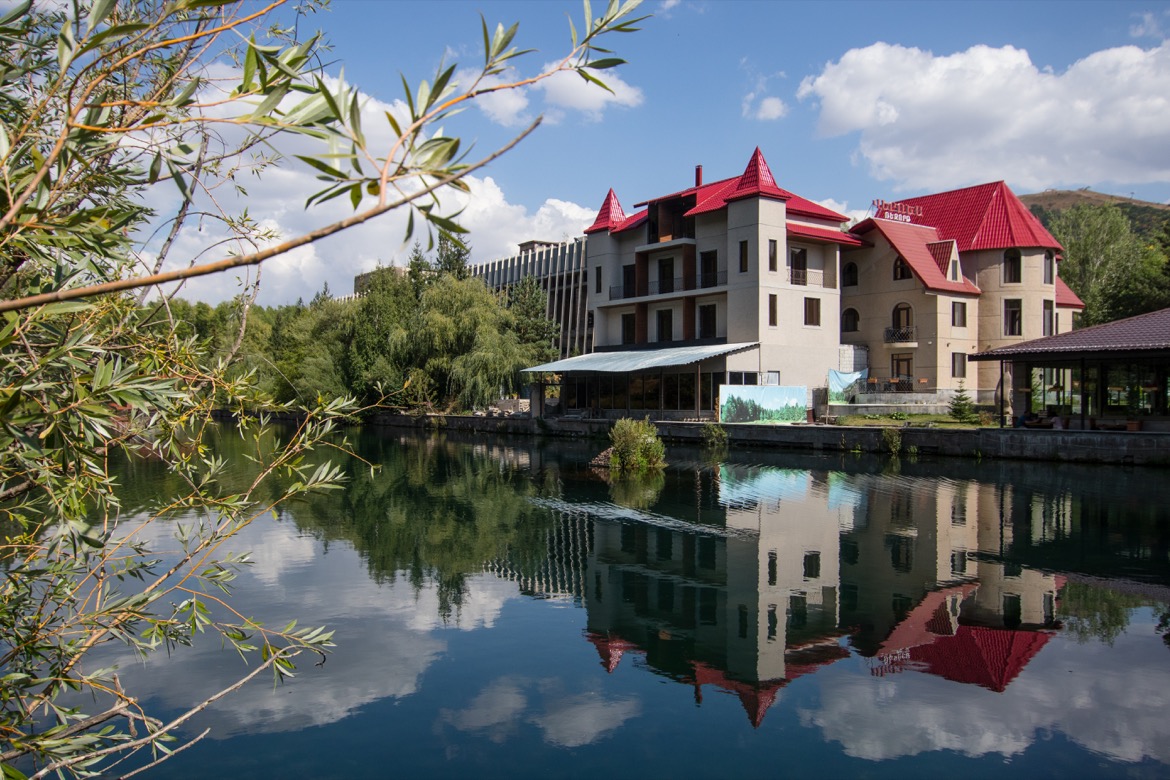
[[902, 269], [954, 271]]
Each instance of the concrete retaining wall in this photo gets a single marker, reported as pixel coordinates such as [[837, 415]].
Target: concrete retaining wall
[[1116, 447]]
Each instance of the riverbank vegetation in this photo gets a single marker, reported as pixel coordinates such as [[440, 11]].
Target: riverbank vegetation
[[107, 110]]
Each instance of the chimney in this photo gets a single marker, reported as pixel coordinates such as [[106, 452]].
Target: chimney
[[698, 175]]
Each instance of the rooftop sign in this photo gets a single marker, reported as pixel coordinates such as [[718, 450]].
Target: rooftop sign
[[898, 212]]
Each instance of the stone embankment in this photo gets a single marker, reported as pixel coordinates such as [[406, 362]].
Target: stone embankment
[[1116, 447]]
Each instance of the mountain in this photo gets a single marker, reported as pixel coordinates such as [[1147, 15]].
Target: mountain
[[1147, 218]]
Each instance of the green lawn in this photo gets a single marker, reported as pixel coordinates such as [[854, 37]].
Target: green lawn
[[901, 419]]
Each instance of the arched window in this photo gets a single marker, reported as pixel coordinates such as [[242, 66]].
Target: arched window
[[1049, 267], [849, 321], [903, 316], [902, 269], [1013, 271], [849, 275]]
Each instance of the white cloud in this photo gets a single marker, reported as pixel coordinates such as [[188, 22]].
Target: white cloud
[[585, 718], [507, 107], [1150, 26], [930, 122], [855, 215], [568, 90]]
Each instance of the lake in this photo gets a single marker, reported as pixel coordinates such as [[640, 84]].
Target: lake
[[503, 611]]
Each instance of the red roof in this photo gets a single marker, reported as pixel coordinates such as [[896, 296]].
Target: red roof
[[611, 648], [1065, 297], [755, 181], [987, 657], [610, 216], [916, 244], [1142, 333], [824, 234], [987, 216]]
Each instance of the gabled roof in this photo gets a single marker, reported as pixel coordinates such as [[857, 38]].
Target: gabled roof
[[914, 244], [1143, 333], [987, 216], [824, 234], [1065, 297], [756, 181], [988, 657]]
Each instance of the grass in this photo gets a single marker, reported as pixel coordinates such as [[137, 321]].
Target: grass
[[901, 419]]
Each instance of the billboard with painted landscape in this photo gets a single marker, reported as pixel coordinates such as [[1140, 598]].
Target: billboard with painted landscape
[[767, 404]]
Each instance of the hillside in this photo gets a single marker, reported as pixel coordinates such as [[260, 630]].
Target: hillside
[[1147, 218]]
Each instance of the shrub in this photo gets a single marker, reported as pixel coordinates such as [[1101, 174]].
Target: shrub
[[636, 446], [893, 440], [714, 436]]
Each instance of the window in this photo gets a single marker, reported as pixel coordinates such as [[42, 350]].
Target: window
[[742, 378], [812, 565], [902, 269], [959, 365], [902, 367], [812, 311], [772, 310], [1049, 318], [849, 275], [707, 321], [772, 567], [1013, 271], [771, 254], [799, 260], [850, 320], [597, 281], [903, 316], [627, 328], [743, 257], [772, 378], [665, 324], [665, 275], [1013, 317], [958, 314], [709, 269], [1049, 267], [954, 270]]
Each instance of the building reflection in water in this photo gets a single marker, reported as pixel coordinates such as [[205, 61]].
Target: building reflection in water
[[771, 574]]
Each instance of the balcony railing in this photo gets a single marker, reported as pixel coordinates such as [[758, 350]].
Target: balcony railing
[[901, 335], [717, 279], [665, 286], [806, 276], [898, 383]]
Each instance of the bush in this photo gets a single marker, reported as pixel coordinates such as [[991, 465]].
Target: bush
[[893, 440], [714, 436], [636, 446]]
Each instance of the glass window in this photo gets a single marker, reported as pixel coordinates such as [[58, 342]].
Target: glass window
[[707, 321], [665, 324], [812, 311], [958, 314], [850, 321], [627, 328], [812, 565], [959, 365], [849, 275], [772, 313], [772, 254], [954, 270], [1013, 317], [1049, 267], [1013, 271], [597, 281], [1049, 318], [743, 257], [902, 269]]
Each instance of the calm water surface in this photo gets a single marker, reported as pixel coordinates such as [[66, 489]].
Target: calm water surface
[[502, 611]]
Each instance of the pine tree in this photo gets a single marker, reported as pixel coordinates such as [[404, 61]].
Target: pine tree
[[962, 408]]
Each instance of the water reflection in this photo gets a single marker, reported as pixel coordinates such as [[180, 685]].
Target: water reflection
[[944, 606]]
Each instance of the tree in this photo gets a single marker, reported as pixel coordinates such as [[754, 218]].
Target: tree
[[537, 334], [453, 256], [1107, 265], [962, 408], [100, 102]]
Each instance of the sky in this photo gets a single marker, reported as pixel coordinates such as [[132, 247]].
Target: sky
[[848, 101]]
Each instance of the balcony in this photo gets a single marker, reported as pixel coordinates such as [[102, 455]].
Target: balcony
[[805, 277], [666, 286], [903, 335]]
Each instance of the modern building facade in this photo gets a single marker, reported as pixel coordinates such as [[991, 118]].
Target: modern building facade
[[560, 269]]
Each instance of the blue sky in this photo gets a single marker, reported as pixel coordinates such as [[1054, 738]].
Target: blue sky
[[849, 101]]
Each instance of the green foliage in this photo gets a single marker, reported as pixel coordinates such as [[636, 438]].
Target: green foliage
[[637, 447], [714, 436], [1090, 612], [1115, 272], [100, 104], [892, 438], [961, 408]]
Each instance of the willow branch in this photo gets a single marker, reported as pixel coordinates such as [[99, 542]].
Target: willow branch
[[256, 258]]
